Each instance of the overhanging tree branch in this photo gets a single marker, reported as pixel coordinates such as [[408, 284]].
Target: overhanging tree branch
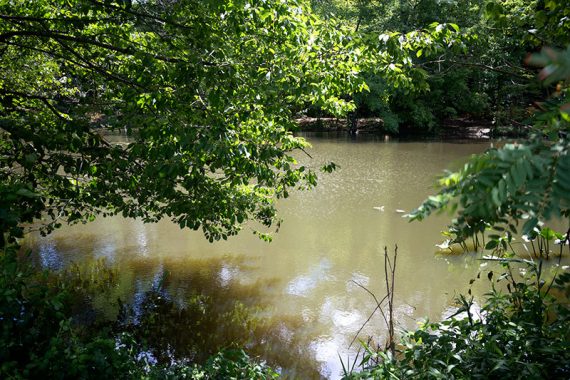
[[82, 40], [140, 14]]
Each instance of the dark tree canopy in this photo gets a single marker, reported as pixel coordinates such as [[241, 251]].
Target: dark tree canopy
[[204, 88]]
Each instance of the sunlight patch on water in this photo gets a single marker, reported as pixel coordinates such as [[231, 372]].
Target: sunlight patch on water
[[327, 351], [302, 285], [357, 278], [142, 241], [346, 320], [227, 275], [349, 320]]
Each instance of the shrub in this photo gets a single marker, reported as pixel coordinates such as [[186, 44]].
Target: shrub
[[514, 336]]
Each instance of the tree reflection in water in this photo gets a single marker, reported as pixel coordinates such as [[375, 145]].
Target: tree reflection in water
[[189, 310]]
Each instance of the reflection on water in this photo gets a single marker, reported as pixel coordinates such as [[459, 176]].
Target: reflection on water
[[302, 285], [49, 256], [305, 283], [192, 310]]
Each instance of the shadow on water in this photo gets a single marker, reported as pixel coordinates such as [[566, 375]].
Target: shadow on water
[[190, 309]]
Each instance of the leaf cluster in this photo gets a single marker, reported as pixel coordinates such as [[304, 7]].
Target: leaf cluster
[[523, 333], [204, 90], [517, 182]]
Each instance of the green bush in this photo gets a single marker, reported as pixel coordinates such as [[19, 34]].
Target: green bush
[[524, 333], [38, 338]]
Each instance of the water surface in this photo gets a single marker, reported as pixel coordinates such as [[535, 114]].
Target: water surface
[[304, 282]]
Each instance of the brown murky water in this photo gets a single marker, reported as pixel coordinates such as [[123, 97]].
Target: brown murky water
[[300, 286]]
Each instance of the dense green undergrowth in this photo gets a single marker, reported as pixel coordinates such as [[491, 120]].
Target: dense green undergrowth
[[520, 332]]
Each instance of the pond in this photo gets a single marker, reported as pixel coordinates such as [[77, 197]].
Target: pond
[[307, 286]]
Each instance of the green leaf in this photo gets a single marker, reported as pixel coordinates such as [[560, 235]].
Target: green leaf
[[529, 225], [548, 233], [491, 244]]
